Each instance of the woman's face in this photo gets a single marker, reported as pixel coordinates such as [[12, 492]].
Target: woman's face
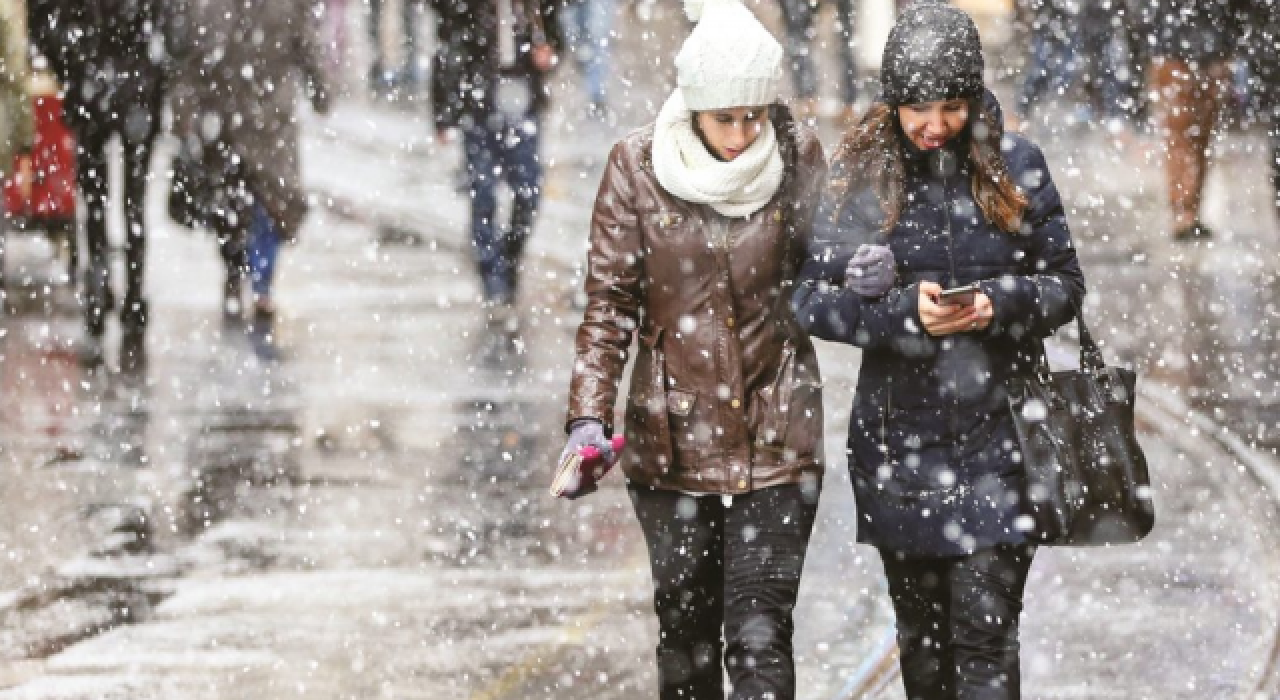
[[931, 125], [729, 132]]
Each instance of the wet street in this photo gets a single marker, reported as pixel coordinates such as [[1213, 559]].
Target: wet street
[[355, 506]]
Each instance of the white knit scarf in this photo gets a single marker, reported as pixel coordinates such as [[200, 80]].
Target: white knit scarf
[[686, 169]]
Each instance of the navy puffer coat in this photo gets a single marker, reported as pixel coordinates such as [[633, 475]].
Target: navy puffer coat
[[932, 449]]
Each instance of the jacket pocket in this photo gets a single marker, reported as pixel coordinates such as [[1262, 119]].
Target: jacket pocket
[[773, 403], [805, 421], [788, 411], [647, 429]]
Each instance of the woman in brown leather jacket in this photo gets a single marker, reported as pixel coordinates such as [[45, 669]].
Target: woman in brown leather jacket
[[699, 226]]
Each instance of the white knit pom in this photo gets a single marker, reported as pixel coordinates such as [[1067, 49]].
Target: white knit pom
[[693, 9]]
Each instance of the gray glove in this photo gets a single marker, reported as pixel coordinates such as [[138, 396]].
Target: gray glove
[[588, 431], [871, 271], [584, 432]]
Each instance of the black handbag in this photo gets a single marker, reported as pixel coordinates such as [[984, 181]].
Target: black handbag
[[191, 192], [1086, 476]]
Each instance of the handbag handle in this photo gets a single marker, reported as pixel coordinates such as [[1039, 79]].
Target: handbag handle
[[1091, 359], [1090, 354]]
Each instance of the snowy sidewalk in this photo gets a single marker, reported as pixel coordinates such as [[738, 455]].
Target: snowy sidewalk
[[368, 518]]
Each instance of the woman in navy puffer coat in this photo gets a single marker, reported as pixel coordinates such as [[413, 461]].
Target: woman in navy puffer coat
[[933, 454]]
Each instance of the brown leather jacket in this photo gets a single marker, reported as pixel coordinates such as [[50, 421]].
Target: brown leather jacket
[[725, 392]]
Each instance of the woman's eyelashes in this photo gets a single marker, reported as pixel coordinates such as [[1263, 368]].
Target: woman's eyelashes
[[750, 119]]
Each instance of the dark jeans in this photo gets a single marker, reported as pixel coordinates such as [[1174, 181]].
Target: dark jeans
[[264, 250], [798, 15], [958, 622], [137, 129], [1275, 156], [725, 584], [1265, 102], [502, 148]]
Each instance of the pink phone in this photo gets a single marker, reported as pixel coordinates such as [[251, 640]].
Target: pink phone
[[590, 452]]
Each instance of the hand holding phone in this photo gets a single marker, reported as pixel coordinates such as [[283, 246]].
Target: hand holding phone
[[953, 313], [959, 296]]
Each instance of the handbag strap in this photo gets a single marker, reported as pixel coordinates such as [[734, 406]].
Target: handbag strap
[[1091, 359], [1090, 354]]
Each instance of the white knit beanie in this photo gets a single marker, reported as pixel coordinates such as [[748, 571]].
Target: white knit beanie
[[729, 60]]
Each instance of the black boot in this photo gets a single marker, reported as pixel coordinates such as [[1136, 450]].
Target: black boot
[[513, 243], [1192, 233], [98, 303], [233, 298], [90, 351], [133, 337]]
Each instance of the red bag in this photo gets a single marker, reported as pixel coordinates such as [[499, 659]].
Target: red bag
[[47, 197], [581, 471]]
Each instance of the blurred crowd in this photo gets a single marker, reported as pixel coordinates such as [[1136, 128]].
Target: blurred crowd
[[1186, 67], [234, 73]]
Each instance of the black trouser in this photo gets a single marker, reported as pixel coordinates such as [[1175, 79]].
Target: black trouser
[[137, 127], [958, 622], [736, 568], [1266, 77]]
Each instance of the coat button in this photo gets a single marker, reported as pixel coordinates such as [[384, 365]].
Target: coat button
[[777, 215], [742, 483], [729, 322], [735, 403]]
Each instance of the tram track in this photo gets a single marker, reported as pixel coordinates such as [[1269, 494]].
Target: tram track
[[1265, 471]]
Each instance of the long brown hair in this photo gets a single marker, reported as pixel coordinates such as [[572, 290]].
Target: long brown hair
[[871, 155], [788, 135]]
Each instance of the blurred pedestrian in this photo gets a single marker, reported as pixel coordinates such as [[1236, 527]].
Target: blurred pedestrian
[[588, 34], [1073, 43], [335, 34], [383, 79], [17, 129], [17, 126], [932, 448], [1259, 34], [1053, 53], [799, 17], [699, 225], [1191, 42], [489, 81], [104, 53], [240, 67]]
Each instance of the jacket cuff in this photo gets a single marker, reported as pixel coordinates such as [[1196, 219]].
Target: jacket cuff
[[899, 316], [1010, 296], [577, 416]]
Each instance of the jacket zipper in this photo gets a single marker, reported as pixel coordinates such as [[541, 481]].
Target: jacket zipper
[[953, 418], [884, 421], [946, 207]]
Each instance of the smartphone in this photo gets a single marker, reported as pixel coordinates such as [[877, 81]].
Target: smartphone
[[959, 296]]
